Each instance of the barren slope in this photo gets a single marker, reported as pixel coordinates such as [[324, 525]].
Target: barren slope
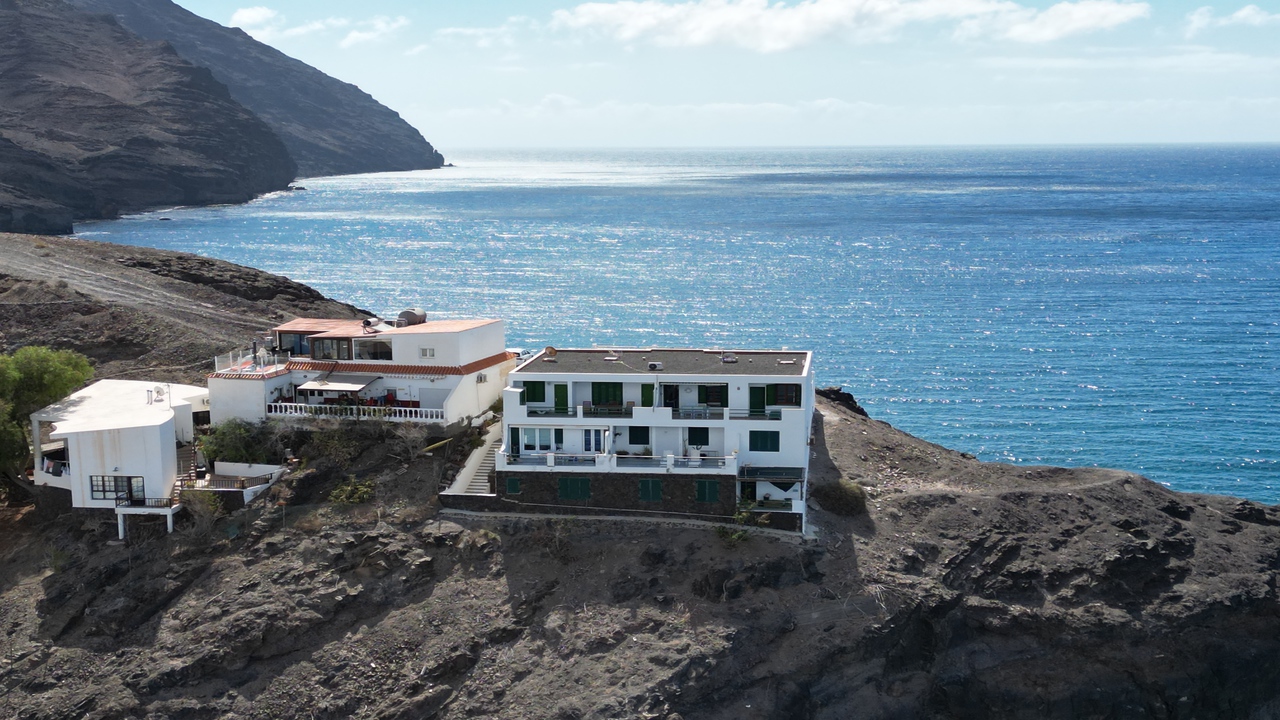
[[971, 590], [141, 313]]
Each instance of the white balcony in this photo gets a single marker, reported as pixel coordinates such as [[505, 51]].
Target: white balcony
[[356, 412], [674, 464]]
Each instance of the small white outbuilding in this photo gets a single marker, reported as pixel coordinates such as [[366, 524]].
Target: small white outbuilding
[[120, 445]]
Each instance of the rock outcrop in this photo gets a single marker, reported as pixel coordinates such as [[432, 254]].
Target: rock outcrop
[[139, 312], [95, 121], [330, 127]]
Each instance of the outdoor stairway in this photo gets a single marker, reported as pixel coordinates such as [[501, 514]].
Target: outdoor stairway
[[186, 471], [473, 479]]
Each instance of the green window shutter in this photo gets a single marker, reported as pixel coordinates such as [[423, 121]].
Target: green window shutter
[[562, 397], [536, 390], [559, 432], [524, 392], [514, 447], [575, 488], [708, 491], [513, 486], [651, 489], [702, 394], [765, 441], [757, 397], [699, 436], [770, 394], [646, 395], [606, 393], [638, 435]]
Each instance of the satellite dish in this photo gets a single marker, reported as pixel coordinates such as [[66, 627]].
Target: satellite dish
[[158, 392], [551, 352]]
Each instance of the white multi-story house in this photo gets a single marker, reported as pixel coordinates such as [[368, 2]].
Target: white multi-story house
[[674, 432], [403, 370], [120, 444]]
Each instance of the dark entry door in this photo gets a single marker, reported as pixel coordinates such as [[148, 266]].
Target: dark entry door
[[671, 396], [562, 398], [137, 491], [757, 400]]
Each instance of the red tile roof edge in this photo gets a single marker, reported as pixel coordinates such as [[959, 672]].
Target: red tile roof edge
[[347, 366], [233, 375]]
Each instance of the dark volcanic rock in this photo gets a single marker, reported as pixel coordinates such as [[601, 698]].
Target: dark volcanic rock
[[330, 127], [95, 121]]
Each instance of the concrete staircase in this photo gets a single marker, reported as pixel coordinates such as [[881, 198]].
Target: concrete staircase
[[474, 477]]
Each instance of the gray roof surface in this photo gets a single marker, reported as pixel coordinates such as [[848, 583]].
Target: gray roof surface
[[674, 362]]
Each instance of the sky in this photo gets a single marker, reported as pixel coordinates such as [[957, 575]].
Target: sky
[[753, 73]]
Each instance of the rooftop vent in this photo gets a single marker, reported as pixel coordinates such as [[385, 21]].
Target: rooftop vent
[[612, 356], [728, 358], [655, 366], [786, 362]]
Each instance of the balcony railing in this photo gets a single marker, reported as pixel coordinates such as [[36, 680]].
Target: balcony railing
[[564, 459], [357, 412], [248, 361], [767, 505], [607, 411], [699, 462], [698, 413], [551, 411], [641, 461], [163, 502], [755, 414]]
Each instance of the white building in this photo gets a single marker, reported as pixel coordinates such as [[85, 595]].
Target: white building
[[120, 445], [660, 431], [408, 370]]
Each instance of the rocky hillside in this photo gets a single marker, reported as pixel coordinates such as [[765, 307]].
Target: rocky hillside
[[95, 121], [969, 590], [141, 313], [330, 127]]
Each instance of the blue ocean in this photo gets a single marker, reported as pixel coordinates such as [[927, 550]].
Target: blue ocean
[[1110, 306]]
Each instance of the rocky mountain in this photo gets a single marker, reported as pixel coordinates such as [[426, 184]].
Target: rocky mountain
[[95, 121], [330, 127], [138, 312]]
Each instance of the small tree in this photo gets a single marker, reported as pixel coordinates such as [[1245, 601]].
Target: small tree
[[236, 440], [31, 378]]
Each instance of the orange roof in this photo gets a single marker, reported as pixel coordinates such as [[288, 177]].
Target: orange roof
[[320, 325], [394, 369], [441, 326]]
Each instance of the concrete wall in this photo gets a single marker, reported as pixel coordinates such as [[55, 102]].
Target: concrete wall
[[150, 452]]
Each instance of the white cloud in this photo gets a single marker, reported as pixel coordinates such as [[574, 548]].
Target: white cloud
[[764, 27], [416, 50], [266, 24], [1203, 18], [253, 17], [1195, 60], [486, 37], [373, 29]]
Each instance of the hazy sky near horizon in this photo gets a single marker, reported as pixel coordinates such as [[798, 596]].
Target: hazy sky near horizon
[[549, 73]]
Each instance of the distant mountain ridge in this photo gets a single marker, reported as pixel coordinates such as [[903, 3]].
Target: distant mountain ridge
[[330, 127], [95, 121]]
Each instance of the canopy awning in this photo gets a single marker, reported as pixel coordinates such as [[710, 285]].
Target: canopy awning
[[339, 383]]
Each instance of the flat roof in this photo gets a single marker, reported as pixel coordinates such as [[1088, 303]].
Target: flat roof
[[319, 325], [109, 404], [354, 329], [675, 361]]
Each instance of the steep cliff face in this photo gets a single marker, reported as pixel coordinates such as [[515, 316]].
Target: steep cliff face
[[95, 121], [330, 127]]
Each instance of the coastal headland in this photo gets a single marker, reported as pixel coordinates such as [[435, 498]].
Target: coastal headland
[[966, 590]]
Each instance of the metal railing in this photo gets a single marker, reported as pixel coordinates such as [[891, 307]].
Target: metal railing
[[606, 411], [784, 504], [755, 414], [551, 411], [699, 462], [563, 459], [698, 413], [164, 502], [357, 412], [641, 461]]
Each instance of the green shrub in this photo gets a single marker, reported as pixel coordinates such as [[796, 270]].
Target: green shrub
[[352, 492], [845, 497], [237, 441]]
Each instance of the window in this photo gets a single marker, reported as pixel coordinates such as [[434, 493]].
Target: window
[[426, 353], [559, 439], [713, 395], [784, 394], [535, 391], [708, 491], [783, 486], [575, 488], [651, 489], [538, 439], [373, 350], [646, 395], [294, 343], [513, 486], [765, 441], [606, 393], [592, 441], [699, 436], [110, 487], [331, 349], [638, 435]]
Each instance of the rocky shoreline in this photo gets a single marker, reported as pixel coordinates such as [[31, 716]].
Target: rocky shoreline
[[967, 589]]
